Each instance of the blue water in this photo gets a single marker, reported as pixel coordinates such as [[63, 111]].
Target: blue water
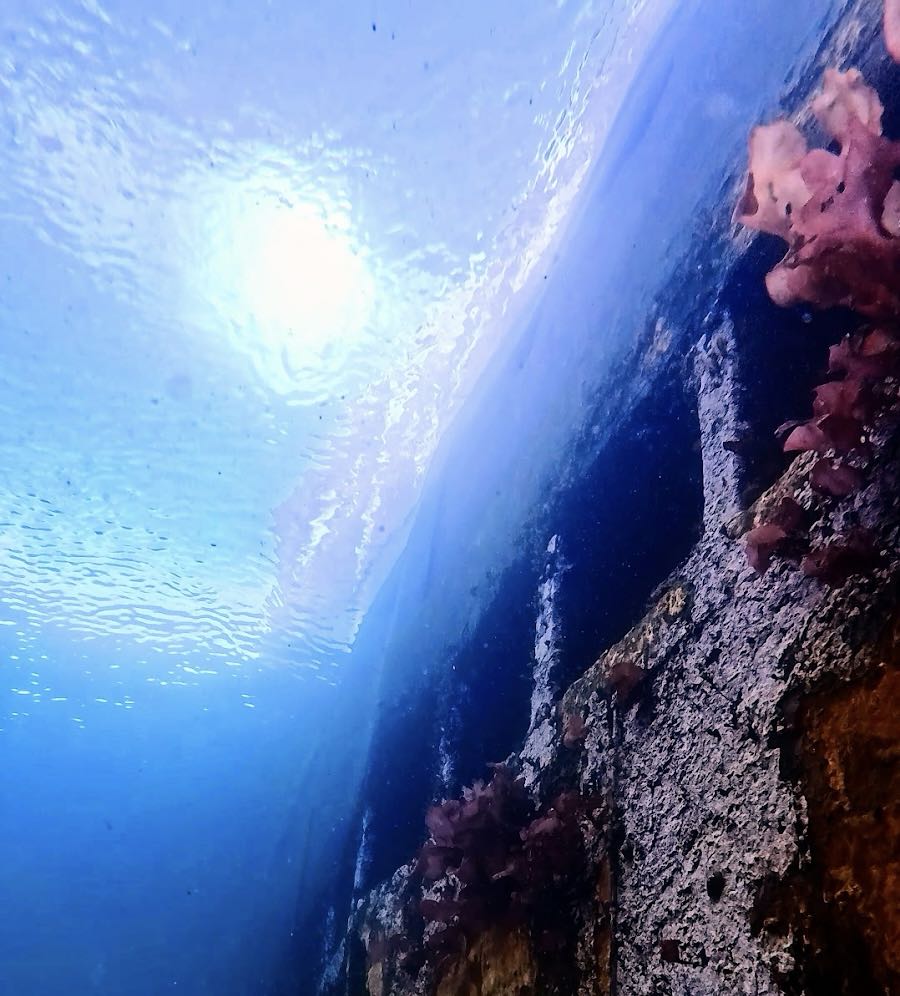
[[299, 306]]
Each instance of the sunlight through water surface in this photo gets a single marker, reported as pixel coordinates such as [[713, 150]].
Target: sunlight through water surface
[[274, 285]]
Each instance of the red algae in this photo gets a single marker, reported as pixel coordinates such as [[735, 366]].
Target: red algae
[[839, 213]]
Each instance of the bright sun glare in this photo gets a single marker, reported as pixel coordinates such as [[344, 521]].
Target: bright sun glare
[[300, 277], [292, 284]]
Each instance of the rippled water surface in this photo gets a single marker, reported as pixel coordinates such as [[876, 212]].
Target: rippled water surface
[[253, 260], [254, 257]]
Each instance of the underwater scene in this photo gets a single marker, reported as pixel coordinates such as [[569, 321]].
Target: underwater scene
[[450, 498]]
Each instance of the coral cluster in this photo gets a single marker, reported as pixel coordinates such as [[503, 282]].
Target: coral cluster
[[782, 529], [490, 859], [892, 28], [574, 729], [625, 679], [839, 213], [843, 410]]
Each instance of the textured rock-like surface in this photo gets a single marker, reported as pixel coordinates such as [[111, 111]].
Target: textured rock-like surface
[[499, 962], [706, 814], [843, 905], [851, 759], [742, 740], [545, 690], [743, 737]]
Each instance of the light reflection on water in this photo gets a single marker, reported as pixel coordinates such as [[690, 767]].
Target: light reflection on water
[[253, 263]]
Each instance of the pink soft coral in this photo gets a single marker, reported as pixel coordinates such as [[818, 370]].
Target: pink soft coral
[[892, 28], [830, 477], [774, 184], [843, 409], [492, 859], [783, 524], [838, 212], [848, 555]]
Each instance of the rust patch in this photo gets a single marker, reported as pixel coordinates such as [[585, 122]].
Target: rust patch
[[850, 761], [499, 963], [843, 907]]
